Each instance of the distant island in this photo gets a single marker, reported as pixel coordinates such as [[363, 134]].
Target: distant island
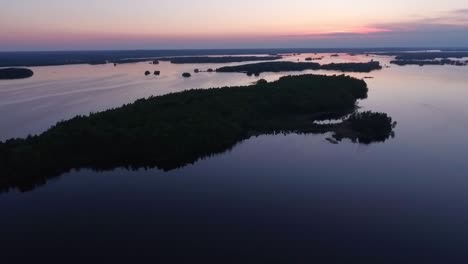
[[198, 59], [284, 66], [428, 58], [222, 59], [52, 58], [313, 59], [425, 55], [403, 62], [173, 130], [15, 73]]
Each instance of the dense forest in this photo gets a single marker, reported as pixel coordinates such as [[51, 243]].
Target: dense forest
[[15, 73], [284, 66], [173, 130]]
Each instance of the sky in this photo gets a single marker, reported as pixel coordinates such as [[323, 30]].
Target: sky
[[190, 24]]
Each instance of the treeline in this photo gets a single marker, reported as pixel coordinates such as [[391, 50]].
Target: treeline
[[353, 66], [426, 55], [284, 66], [49, 58], [403, 62], [173, 130], [224, 59], [199, 59]]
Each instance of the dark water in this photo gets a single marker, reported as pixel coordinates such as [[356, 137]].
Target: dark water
[[284, 198]]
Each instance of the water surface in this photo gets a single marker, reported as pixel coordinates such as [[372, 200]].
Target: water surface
[[288, 198]]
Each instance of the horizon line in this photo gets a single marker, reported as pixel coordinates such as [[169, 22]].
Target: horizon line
[[241, 49]]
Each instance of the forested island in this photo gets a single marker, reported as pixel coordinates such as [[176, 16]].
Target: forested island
[[428, 58], [173, 130], [313, 59], [403, 62], [223, 59], [15, 73], [198, 59], [285, 66], [426, 55]]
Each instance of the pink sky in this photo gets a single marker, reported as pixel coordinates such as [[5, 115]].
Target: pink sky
[[91, 24]]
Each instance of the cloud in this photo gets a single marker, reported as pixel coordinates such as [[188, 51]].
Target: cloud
[[447, 21], [448, 29], [461, 11], [453, 21]]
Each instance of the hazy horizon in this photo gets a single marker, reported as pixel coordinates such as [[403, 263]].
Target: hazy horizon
[[124, 25]]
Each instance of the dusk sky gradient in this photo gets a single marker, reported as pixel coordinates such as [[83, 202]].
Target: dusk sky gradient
[[175, 24]]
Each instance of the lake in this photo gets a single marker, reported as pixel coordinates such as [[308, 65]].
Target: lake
[[291, 198]]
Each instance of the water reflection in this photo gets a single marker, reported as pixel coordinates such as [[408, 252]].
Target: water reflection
[[31, 175]]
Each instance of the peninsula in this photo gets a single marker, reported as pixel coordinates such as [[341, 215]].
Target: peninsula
[[173, 130]]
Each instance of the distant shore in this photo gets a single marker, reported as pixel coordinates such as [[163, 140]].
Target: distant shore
[[56, 58], [286, 66]]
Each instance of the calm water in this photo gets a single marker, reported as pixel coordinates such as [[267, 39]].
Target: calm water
[[285, 198]]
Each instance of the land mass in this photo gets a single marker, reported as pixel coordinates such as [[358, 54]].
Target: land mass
[[403, 62], [428, 58], [51, 58], [223, 59], [15, 73], [197, 59], [177, 129], [284, 66], [426, 55]]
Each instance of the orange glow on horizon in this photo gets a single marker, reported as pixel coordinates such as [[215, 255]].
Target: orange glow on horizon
[[86, 36]]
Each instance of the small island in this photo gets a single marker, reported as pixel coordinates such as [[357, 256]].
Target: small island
[[313, 59], [15, 73], [174, 130], [285, 66]]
